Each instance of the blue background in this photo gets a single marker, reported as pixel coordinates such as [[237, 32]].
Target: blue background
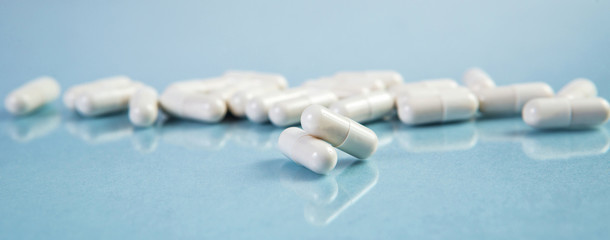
[[66, 177]]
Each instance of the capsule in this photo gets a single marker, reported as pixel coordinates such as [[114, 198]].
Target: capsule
[[552, 113], [476, 79], [509, 100], [390, 78], [341, 132], [32, 95], [73, 93], [237, 102], [202, 85], [306, 150], [428, 83], [144, 107], [108, 100], [257, 109], [259, 77], [437, 106], [193, 105], [288, 112], [366, 107], [578, 88]]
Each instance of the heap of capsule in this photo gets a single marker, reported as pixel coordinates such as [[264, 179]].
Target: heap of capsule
[[330, 109]]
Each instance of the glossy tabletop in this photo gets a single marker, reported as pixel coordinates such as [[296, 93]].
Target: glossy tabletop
[[63, 176]]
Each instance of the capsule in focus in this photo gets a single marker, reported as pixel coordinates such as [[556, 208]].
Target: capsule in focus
[[340, 131], [306, 150]]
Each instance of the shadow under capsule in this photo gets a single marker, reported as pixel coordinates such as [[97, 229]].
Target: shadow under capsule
[[456, 136], [34, 126], [100, 130], [330, 195], [566, 144]]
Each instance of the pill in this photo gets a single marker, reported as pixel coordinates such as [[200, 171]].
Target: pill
[[202, 85], [366, 107], [476, 79], [509, 100], [257, 109], [549, 113], [227, 92], [32, 95], [288, 112], [260, 77], [237, 102], [428, 83], [437, 106], [578, 88], [144, 107], [340, 131], [108, 100], [306, 150], [72, 93], [390, 78], [193, 105]]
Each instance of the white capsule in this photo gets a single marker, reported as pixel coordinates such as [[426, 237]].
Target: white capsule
[[237, 102], [509, 100], [32, 95], [366, 107], [390, 78], [144, 107], [578, 88], [108, 100], [340, 131], [257, 109], [73, 93], [260, 77], [476, 79], [193, 105], [437, 106], [549, 113], [202, 85], [429, 83], [306, 150], [288, 112]]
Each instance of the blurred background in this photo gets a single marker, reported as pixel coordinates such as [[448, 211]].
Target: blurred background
[[163, 41], [63, 176]]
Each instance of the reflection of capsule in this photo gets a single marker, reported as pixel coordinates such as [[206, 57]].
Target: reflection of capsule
[[312, 187], [501, 129], [354, 182], [193, 135], [328, 196], [34, 126], [145, 140], [100, 130], [565, 145], [448, 137], [249, 134]]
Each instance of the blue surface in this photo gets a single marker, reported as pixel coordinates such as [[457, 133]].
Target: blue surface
[[66, 177]]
